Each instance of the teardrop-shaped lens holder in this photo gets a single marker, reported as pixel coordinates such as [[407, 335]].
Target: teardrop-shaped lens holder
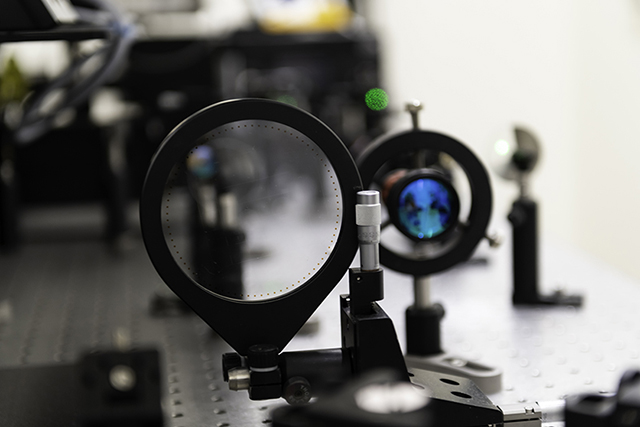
[[468, 233], [248, 215]]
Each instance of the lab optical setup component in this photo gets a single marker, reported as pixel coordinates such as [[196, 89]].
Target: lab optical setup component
[[422, 202], [514, 157], [240, 184], [415, 171], [273, 199]]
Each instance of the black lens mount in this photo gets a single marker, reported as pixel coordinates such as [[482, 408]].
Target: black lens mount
[[390, 147], [242, 323]]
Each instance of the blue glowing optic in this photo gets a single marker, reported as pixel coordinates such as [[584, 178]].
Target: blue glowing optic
[[425, 208], [202, 163]]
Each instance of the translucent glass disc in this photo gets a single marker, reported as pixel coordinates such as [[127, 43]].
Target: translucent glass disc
[[253, 211]]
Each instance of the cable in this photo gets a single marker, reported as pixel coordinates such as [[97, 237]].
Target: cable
[[36, 122]]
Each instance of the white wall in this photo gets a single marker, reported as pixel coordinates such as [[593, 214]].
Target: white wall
[[608, 105], [568, 69]]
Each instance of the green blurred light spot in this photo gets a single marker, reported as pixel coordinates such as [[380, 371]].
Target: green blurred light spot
[[287, 99], [376, 99], [501, 147]]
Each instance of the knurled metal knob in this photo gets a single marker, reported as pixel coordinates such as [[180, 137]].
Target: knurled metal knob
[[262, 356]]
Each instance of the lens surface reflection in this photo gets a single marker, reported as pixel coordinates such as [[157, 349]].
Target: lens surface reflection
[[425, 208], [253, 211]]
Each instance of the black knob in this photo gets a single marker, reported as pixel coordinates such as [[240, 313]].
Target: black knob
[[263, 356], [297, 391], [230, 361]]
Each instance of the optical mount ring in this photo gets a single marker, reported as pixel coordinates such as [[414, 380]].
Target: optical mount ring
[[389, 146]]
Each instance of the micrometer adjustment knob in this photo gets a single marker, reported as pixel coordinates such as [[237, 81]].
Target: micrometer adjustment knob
[[368, 220], [368, 208]]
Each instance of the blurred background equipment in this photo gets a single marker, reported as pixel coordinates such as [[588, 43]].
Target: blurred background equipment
[[56, 110], [36, 15], [106, 388], [327, 74], [147, 85], [613, 409], [514, 157], [86, 73]]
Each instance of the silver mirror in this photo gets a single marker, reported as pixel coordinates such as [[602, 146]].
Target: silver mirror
[[515, 154]]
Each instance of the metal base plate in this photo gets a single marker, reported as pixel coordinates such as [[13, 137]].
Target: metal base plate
[[487, 378]]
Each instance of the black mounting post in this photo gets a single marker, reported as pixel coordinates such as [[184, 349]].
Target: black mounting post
[[116, 180], [216, 263], [423, 320], [368, 335], [424, 350], [219, 243], [423, 329], [9, 203], [524, 221]]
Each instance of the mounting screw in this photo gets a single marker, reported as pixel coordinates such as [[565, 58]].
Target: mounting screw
[[495, 240], [414, 108], [122, 378], [263, 356], [297, 391]]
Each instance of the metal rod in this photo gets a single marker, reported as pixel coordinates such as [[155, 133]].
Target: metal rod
[[523, 184], [414, 108], [422, 291]]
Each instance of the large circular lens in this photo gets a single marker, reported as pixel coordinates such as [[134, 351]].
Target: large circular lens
[[423, 205], [253, 211], [247, 214]]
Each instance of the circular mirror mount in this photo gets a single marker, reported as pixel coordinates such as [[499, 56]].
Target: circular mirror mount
[[470, 232], [245, 322]]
